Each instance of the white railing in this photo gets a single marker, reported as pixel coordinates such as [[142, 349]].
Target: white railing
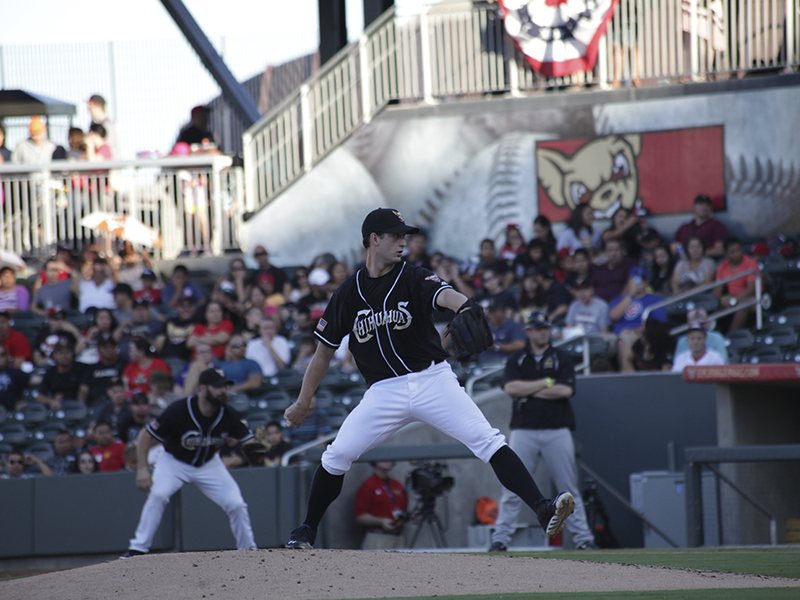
[[195, 203], [465, 54]]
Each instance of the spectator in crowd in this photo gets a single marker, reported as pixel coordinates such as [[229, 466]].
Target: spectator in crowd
[[63, 460], [610, 278], [530, 296], [738, 290], [86, 257], [16, 462], [245, 373], [306, 346], [252, 320], [13, 381], [132, 266], [143, 325], [299, 285], [508, 334], [179, 287], [225, 294], [580, 231], [493, 291], [76, 140], [161, 392], [581, 269], [197, 132], [379, 505], [149, 290], [103, 327], [109, 453], [486, 260], [310, 308], [13, 297], [56, 291], [257, 298], [555, 297], [704, 226], [588, 311], [338, 275], [278, 446], [86, 463], [652, 351], [447, 270], [123, 313], [543, 230], [627, 309], [514, 244], [698, 354], [270, 350], [628, 228], [137, 373], [5, 153], [527, 261], [714, 340], [694, 268], [216, 331], [97, 292], [97, 109], [189, 377], [662, 268], [36, 150], [268, 272], [97, 150], [113, 406], [239, 278], [98, 376], [417, 250], [61, 381], [58, 330], [16, 345], [134, 420], [171, 343]]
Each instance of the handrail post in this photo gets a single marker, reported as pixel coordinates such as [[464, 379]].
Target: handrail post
[[759, 315], [427, 67], [790, 40], [366, 79], [251, 197], [216, 208], [48, 208], [513, 68], [694, 50], [307, 128]]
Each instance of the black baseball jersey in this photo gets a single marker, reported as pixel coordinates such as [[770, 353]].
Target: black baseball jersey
[[389, 319], [192, 438], [537, 413]]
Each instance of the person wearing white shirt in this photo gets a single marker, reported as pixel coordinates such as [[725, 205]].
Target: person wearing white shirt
[[97, 292], [270, 350], [697, 355]]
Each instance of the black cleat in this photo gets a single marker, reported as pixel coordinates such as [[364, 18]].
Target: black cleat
[[132, 553], [498, 547], [553, 513], [302, 538]]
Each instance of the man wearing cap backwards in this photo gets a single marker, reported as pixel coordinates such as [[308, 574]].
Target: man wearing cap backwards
[[698, 355], [386, 308], [192, 431], [541, 379]]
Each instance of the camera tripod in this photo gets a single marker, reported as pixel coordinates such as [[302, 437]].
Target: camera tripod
[[426, 512]]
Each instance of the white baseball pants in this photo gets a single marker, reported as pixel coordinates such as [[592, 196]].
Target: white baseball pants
[[432, 396], [213, 479], [557, 448]]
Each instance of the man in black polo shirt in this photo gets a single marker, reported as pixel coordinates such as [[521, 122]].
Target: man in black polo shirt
[[61, 382], [541, 380]]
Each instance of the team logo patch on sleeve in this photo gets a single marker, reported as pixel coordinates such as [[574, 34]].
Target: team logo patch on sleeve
[[433, 277], [154, 425], [321, 325]]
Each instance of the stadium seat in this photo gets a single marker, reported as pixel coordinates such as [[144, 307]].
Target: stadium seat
[[287, 379], [351, 397], [788, 316], [741, 340], [239, 402], [31, 415], [779, 337], [80, 320], [765, 355], [43, 450], [14, 434], [3, 414], [28, 319], [324, 398], [259, 419], [277, 400], [49, 430], [706, 301], [72, 412]]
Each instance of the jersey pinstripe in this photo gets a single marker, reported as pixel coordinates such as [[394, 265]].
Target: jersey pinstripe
[[389, 319]]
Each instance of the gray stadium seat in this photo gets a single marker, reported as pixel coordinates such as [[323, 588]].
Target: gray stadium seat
[[741, 340], [14, 434], [779, 337], [765, 355], [31, 415]]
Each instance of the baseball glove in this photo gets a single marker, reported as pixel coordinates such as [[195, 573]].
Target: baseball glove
[[256, 449], [469, 331]]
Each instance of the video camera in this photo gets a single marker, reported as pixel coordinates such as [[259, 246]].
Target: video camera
[[429, 479]]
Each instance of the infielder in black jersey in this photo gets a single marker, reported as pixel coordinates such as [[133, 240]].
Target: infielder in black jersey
[[192, 431], [387, 309]]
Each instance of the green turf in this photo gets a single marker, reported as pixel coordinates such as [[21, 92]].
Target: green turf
[[715, 594]]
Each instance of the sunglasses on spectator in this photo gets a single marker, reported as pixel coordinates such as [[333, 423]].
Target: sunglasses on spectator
[[257, 254], [15, 462], [238, 345]]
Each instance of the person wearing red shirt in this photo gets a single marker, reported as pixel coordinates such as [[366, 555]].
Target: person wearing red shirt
[[739, 290], [215, 332], [109, 454], [380, 502], [137, 374], [16, 344], [149, 292]]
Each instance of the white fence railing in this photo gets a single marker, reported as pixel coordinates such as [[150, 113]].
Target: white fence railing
[[196, 203], [448, 55]]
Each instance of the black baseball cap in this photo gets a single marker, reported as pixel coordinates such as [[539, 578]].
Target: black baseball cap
[[141, 303], [385, 220], [537, 320], [214, 378]]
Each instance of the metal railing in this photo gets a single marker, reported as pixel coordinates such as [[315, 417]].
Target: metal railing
[[196, 203], [465, 54]]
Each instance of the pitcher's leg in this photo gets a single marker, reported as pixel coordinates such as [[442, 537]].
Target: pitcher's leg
[[167, 479]]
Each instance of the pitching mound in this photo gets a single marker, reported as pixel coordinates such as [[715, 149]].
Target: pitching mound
[[339, 574]]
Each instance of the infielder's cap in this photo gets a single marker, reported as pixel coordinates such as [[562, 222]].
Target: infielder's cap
[[385, 220], [214, 378], [537, 320], [696, 327]]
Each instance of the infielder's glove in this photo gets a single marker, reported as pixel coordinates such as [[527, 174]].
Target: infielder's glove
[[469, 331], [256, 449]]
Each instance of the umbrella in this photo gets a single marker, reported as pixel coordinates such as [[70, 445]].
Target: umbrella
[[9, 259], [558, 37], [124, 227]]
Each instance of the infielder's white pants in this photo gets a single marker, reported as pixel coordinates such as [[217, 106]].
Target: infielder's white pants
[[432, 396], [213, 479], [557, 449]]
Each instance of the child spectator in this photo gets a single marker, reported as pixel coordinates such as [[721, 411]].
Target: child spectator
[[109, 454], [149, 291]]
